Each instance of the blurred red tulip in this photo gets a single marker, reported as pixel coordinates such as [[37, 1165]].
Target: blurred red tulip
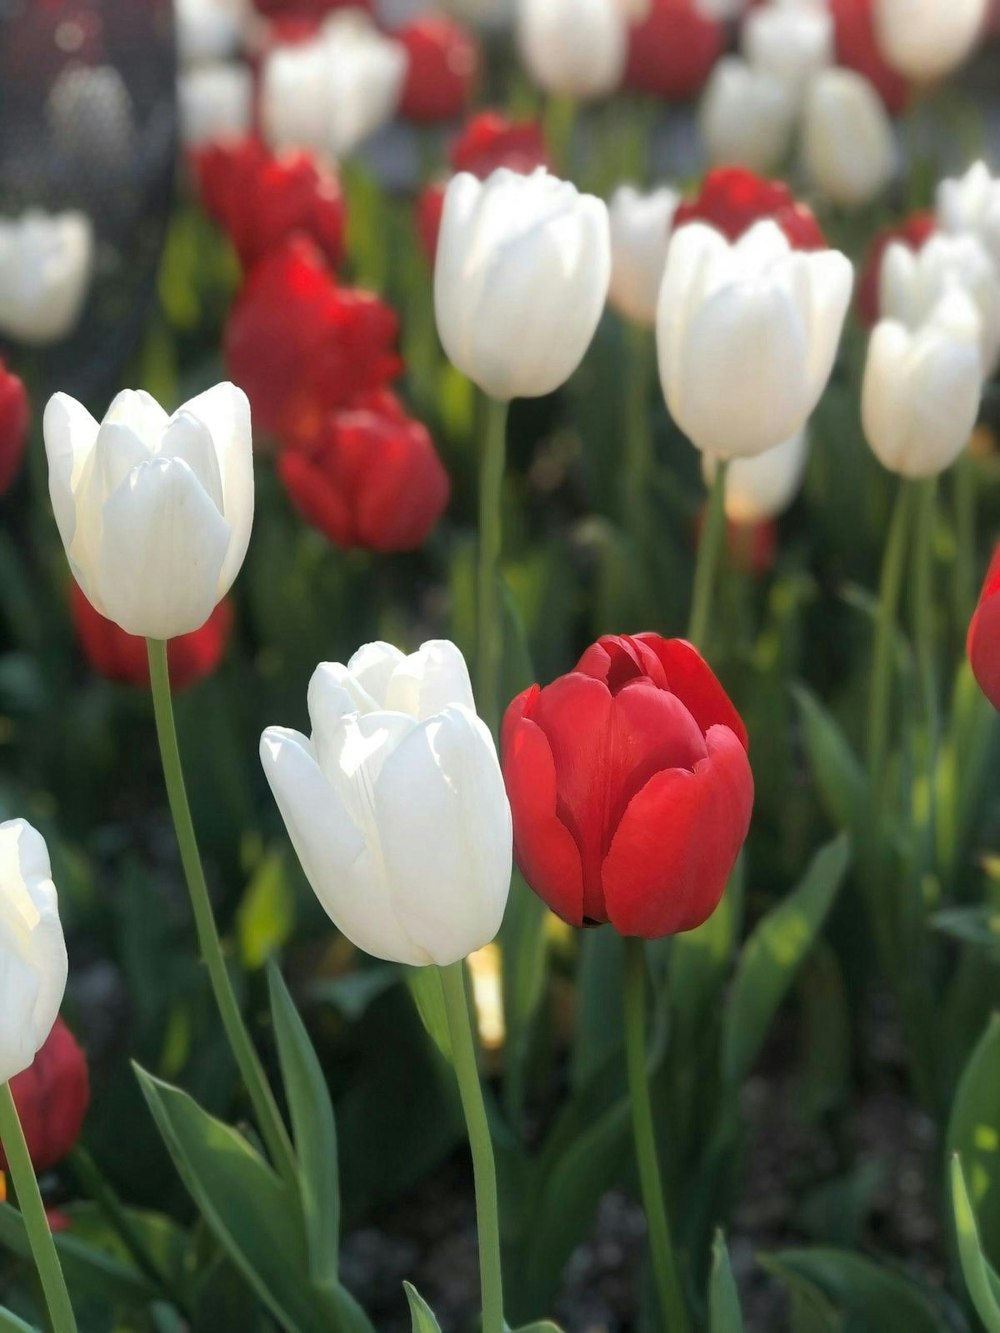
[[122, 658], [260, 199], [858, 49], [371, 479], [301, 346], [672, 51], [442, 70], [15, 414], [732, 199], [630, 787], [983, 643], [915, 231], [293, 10], [751, 547], [52, 1096]]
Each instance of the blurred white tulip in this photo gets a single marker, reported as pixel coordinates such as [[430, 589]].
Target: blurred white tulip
[[848, 145], [746, 117], [925, 40], [45, 267], [640, 235], [573, 47], [215, 102], [792, 43], [971, 204], [208, 30], [91, 114], [762, 487]]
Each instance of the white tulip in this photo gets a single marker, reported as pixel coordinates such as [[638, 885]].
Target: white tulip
[[576, 48], [746, 335], [972, 204], [396, 805], [640, 235], [331, 93], [848, 145], [45, 267], [912, 282], [921, 391], [215, 102], [154, 511], [925, 40], [208, 30], [762, 487], [746, 117], [792, 43], [32, 949], [520, 281]]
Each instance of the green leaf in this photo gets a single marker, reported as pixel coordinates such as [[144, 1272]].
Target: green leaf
[[423, 1317], [598, 1026], [974, 1133], [9, 1323], [524, 946], [88, 1271], [700, 959], [313, 1129], [874, 1299], [540, 1326], [772, 957], [724, 1313], [266, 915], [980, 1278], [979, 925], [424, 986]]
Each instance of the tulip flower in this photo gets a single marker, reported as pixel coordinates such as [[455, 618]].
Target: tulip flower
[[983, 642], [914, 232], [441, 72], [746, 117], [924, 39], [52, 1096], [732, 199], [371, 479], [208, 30], [154, 511], [396, 805], [847, 140], [15, 415], [672, 50], [746, 335], [45, 266], [573, 48], [971, 206], [521, 277], [922, 387], [858, 49], [762, 487], [791, 42], [640, 235], [215, 102], [630, 787]]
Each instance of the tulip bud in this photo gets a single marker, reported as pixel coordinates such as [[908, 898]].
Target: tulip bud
[[847, 140], [640, 235], [746, 335], [45, 264], [983, 642], [732, 199], [746, 117], [914, 232], [762, 487], [521, 278], [926, 39], [971, 206], [672, 50], [154, 511], [32, 949], [52, 1097], [215, 102], [791, 42], [630, 787], [576, 48], [15, 415], [442, 68], [396, 806]]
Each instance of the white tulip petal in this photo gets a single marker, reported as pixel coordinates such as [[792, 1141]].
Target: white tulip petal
[[640, 236], [190, 441], [225, 410], [430, 680], [574, 48], [762, 487], [70, 433], [372, 668], [848, 144]]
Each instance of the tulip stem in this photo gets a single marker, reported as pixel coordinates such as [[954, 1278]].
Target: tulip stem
[[489, 654], [36, 1224], [893, 564], [965, 538], [269, 1119], [665, 1270], [463, 1053], [713, 536], [638, 436]]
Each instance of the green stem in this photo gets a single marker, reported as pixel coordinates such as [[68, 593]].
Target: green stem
[[269, 1119], [923, 583], [36, 1224], [893, 564], [484, 1168], [489, 655], [665, 1271], [713, 536], [965, 538], [638, 458]]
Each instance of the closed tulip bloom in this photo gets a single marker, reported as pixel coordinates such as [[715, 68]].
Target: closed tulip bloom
[[640, 235], [746, 117], [983, 642], [154, 511], [395, 804], [926, 39], [521, 277], [52, 1096], [914, 232], [33, 963], [970, 205], [848, 145], [215, 102], [441, 72], [921, 390], [630, 787], [762, 487], [672, 50], [746, 335], [732, 199], [791, 42], [576, 48], [15, 415], [45, 266]]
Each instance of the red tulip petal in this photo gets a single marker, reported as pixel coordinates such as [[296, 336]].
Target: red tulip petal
[[691, 678], [983, 643]]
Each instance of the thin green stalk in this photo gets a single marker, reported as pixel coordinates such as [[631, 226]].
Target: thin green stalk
[[665, 1271], [965, 540], [269, 1120], [713, 536], [36, 1224], [638, 452], [489, 655], [923, 584], [559, 124], [893, 565], [463, 1052]]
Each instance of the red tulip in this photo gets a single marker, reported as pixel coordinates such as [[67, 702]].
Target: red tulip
[[122, 658], [371, 479], [630, 787], [51, 1097], [260, 199], [732, 199], [915, 232], [301, 346], [672, 51], [983, 643], [858, 49], [442, 70], [15, 415]]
